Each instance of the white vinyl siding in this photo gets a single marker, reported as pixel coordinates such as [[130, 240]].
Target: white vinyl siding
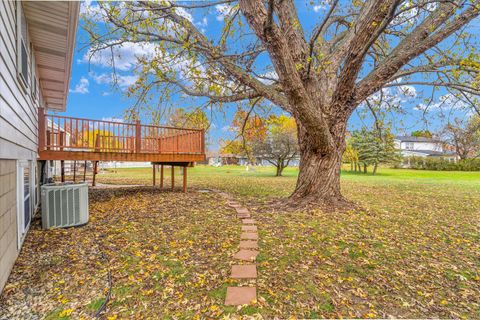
[[23, 48], [18, 108]]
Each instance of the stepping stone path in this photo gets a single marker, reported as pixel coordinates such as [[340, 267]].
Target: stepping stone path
[[246, 256]]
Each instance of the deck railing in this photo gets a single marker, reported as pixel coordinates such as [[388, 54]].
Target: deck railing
[[59, 133]]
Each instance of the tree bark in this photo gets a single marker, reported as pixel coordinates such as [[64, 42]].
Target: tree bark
[[319, 177], [375, 166]]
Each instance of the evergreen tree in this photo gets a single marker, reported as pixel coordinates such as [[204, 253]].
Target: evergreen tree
[[373, 148]]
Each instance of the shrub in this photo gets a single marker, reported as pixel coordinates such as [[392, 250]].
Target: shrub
[[441, 164]]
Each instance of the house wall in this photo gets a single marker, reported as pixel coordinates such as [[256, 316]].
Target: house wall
[[8, 219], [18, 109], [408, 153], [422, 146], [18, 136]]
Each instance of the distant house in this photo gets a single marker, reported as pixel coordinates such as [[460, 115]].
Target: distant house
[[37, 41], [231, 159], [423, 147]]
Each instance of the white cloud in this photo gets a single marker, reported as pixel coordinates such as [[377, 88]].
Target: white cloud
[[392, 96], [81, 87], [184, 13], [322, 5], [113, 119], [223, 10], [126, 81], [409, 91], [412, 13], [268, 77], [125, 56], [123, 81], [92, 11], [446, 101]]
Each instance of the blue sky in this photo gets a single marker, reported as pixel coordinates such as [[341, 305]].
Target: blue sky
[[92, 95]]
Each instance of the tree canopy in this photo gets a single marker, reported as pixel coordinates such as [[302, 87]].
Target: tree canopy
[[280, 145], [464, 136], [196, 119]]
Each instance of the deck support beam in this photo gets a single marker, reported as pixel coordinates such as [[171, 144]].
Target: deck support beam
[[185, 179], [62, 170], [74, 171], [161, 176], [85, 171], [154, 166], [95, 164], [184, 172]]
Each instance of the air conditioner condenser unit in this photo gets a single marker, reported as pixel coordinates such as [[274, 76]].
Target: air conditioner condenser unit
[[64, 205]]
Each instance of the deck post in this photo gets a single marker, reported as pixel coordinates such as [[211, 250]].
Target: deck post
[[62, 170], [203, 141], [185, 179], [95, 164], [154, 165], [74, 170], [138, 136], [41, 129], [48, 140], [97, 142], [62, 140], [161, 176], [173, 177], [85, 171]]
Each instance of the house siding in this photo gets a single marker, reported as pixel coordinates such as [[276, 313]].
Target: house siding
[[18, 109], [18, 135], [432, 146], [8, 219]]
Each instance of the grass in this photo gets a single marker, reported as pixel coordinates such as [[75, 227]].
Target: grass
[[411, 252], [262, 183]]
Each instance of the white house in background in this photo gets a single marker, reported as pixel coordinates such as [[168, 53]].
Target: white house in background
[[422, 147], [37, 40]]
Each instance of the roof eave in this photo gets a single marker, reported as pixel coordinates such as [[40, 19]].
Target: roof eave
[[54, 88]]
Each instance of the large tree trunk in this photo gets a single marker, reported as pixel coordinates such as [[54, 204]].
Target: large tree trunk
[[319, 177]]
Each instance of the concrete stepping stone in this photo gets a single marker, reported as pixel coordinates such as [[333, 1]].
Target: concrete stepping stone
[[248, 221], [248, 244], [242, 210], [249, 228], [234, 205], [237, 296], [243, 215], [244, 271], [246, 255], [249, 236]]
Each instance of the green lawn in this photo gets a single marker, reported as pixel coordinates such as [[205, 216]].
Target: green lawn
[[261, 181], [412, 251]]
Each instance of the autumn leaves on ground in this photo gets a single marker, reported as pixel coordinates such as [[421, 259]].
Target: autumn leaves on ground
[[413, 251]]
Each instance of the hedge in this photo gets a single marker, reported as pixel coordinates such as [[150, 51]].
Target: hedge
[[441, 164]]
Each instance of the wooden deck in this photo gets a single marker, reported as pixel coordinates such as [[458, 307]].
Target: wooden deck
[[68, 138]]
